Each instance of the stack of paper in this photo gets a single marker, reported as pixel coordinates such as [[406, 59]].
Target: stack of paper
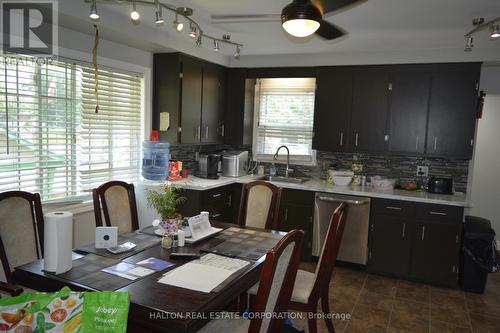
[[203, 274]]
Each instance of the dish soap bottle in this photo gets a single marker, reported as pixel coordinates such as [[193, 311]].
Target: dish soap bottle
[[272, 170]]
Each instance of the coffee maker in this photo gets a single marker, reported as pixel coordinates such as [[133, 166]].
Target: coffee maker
[[209, 166]]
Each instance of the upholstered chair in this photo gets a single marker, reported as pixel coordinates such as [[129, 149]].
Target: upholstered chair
[[21, 234], [260, 203], [119, 207]]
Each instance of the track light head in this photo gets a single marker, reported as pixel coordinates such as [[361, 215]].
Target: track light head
[[237, 53], [216, 46], [469, 43], [94, 15], [134, 14], [192, 33], [495, 31], [198, 41], [178, 25]]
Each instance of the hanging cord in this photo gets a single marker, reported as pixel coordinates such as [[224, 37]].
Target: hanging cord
[[96, 70]]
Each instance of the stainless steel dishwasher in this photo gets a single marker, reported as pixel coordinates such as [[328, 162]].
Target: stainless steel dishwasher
[[354, 245]]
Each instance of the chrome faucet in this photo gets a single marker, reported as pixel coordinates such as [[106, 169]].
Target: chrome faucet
[[275, 157]]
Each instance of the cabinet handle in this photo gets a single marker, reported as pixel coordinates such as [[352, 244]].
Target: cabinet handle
[[435, 143], [357, 139], [216, 216], [372, 227], [393, 208], [286, 214], [404, 230], [416, 144], [386, 138], [423, 232], [438, 213], [230, 201], [206, 132], [222, 130], [341, 138], [216, 195]]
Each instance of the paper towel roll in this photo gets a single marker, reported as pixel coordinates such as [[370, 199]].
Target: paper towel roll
[[58, 242]]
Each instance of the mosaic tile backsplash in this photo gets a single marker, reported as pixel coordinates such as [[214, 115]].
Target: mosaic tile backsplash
[[400, 167]]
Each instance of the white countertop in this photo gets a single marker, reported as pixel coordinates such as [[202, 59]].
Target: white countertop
[[318, 185]]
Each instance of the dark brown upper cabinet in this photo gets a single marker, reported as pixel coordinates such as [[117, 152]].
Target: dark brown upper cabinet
[[191, 91], [452, 110], [332, 115], [369, 109], [409, 103]]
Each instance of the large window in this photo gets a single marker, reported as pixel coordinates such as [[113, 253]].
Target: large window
[[51, 139], [284, 116]]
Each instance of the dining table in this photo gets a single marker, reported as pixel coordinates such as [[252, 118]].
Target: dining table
[[154, 306]]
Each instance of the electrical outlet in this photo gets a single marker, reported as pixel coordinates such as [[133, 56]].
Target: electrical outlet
[[422, 171]]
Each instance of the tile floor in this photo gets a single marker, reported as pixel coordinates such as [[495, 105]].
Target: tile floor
[[380, 304]]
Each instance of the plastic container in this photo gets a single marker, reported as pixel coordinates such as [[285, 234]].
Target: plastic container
[[381, 183], [155, 158]]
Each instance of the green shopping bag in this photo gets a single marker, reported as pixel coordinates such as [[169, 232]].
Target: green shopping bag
[[105, 311]]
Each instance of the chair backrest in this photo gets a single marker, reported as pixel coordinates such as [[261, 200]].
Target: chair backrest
[[21, 229], [117, 199], [276, 283], [330, 249], [259, 206]]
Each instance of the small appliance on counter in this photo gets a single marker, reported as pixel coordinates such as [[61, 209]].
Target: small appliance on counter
[[208, 166], [235, 163], [440, 185]]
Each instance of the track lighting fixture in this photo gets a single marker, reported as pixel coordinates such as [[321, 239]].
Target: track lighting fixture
[[182, 14], [134, 14], [192, 33], [159, 14], [178, 25], [495, 31], [94, 15], [479, 25], [237, 53]]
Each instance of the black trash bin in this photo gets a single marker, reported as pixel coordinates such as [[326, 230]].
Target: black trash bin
[[479, 256]]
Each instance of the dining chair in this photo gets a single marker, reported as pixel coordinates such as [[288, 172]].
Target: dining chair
[[119, 207], [310, 287], [275, 288], [259, 206], [21, 234]]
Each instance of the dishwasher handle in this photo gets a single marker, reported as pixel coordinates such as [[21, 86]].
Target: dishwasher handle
[[348, 201]]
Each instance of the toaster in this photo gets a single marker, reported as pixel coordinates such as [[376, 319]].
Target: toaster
[[440, 185], [235, 163]]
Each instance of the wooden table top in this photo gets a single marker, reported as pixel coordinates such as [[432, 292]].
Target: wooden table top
[[156, 307]]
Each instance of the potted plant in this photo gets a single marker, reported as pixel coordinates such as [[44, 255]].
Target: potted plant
[[166, 202]]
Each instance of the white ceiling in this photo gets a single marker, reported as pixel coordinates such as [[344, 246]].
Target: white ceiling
[[415, 30]]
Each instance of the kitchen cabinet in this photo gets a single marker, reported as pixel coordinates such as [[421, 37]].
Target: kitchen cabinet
[[296, 212], [409, 103], [452, 110], [415, 241], [369, 109], [218, 202], [332, 115], [191, 92]]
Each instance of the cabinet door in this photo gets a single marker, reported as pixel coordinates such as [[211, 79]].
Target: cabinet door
[[436, 253], [389, 245], [332, 115], [452, 112], [212, 104], [408, 112], [218, 202], [369, 109], [191, 100], [296, 216]]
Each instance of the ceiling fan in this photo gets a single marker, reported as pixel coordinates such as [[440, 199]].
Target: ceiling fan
[[300, 18]]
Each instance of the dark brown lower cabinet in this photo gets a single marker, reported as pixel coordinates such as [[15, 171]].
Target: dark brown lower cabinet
[[296, 212], [218, 202], [416, 241]]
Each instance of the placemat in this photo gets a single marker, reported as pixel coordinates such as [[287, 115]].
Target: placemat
[[244, 243], [141, 240], [87, 271]]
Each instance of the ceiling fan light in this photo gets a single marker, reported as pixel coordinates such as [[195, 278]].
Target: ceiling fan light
[[301, 27], [495, 31], [301, 18]]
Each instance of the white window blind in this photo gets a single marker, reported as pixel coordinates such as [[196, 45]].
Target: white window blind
[[52, 141], [285, 114]]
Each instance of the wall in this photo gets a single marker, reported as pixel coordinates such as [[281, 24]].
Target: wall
[[485, 195]]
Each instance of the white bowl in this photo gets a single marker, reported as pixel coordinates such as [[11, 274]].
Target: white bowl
[[381, 183], [342, 180]]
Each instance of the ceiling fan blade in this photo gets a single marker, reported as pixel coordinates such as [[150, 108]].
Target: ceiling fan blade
[[329, 31], [327, 6]]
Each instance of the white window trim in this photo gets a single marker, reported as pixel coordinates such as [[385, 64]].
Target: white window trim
[[269, 158]]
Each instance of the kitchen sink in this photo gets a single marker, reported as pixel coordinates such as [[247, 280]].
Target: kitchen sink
[[282, 179]]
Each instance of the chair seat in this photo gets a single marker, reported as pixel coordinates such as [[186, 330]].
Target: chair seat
[[226, 325], [304, 283]]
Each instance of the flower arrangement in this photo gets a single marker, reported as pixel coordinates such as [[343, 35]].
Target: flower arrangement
[[166, 203]]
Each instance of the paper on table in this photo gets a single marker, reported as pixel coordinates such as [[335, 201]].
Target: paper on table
[[203, 274]]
